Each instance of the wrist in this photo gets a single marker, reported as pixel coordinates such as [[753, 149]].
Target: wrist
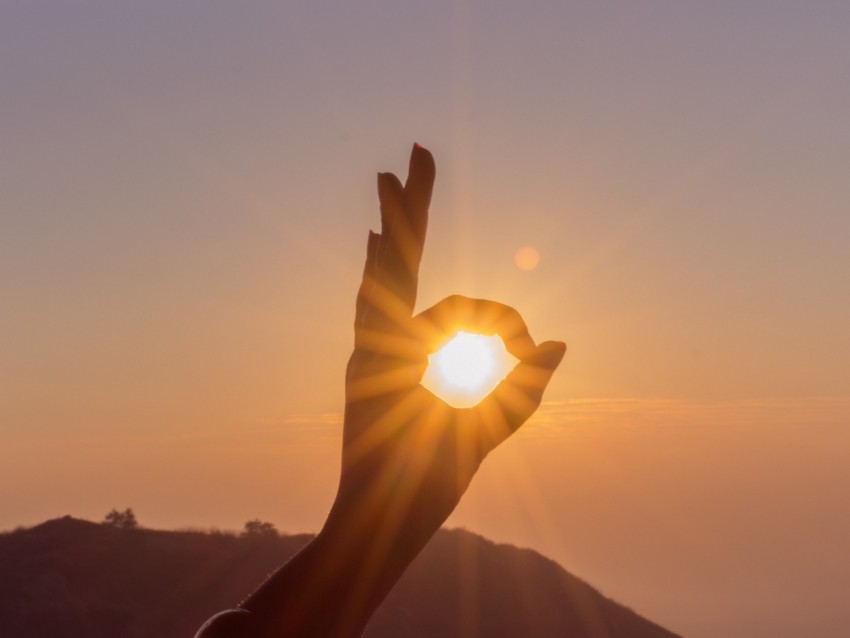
[[376, 530]]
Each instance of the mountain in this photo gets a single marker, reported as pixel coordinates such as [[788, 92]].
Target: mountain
[[77, 579]]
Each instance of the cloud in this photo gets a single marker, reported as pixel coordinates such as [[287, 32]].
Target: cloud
[[558, 416]]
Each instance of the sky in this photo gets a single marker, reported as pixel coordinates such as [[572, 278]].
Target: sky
[[185, 194]]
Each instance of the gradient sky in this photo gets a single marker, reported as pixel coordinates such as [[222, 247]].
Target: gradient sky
[[185, 194]]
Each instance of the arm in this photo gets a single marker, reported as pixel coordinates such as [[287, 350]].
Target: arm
[[407, 456]]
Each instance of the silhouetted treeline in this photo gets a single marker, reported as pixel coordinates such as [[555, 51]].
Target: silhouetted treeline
[[69, 578]]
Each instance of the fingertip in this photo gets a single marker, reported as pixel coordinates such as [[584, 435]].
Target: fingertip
[[419, 149], [383, 184], [390, 184], [229, 623], [390, 195], [372, 246], [557, 345], [422, 163], [548, 355], [381, 181]]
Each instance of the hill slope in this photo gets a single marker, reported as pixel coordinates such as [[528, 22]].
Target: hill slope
[[73, 578]]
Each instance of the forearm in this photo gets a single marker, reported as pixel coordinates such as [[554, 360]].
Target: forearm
[[332, 587]]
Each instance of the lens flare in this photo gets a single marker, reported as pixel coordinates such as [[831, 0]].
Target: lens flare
[[527, 258]]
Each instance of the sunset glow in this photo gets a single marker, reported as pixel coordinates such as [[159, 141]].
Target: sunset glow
[[188, 199]]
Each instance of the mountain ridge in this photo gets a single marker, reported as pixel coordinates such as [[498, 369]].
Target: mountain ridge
[[70, 577]]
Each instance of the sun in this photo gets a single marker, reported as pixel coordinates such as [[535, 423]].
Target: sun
[[467, 368], [466, 361]]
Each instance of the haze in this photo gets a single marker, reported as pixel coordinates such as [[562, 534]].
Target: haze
[[185, 194]]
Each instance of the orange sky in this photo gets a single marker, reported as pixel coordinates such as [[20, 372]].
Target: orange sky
[[184, 203]]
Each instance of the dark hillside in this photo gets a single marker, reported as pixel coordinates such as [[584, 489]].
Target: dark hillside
[[72, 578]]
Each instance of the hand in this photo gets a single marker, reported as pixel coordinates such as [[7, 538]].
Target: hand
[[407, 456]]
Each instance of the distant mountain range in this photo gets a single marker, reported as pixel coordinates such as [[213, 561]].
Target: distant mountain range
[[69, 578]]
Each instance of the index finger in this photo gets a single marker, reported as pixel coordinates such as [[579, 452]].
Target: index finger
[[442, 320]]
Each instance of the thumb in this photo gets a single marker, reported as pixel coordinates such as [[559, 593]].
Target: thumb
[[519, 394]]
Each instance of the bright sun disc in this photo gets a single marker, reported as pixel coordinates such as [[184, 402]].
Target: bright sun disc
[[466, 361], [467, 368]]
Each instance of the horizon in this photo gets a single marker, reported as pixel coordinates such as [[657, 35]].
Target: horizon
[[186, 198]]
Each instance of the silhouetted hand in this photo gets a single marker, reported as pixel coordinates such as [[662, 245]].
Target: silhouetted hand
[[407, 456]]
